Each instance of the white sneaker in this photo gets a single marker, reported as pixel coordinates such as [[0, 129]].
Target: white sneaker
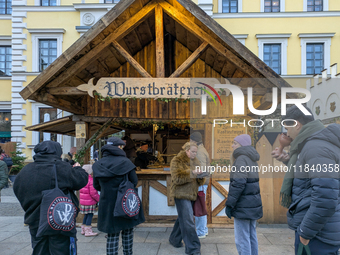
[[201, 237]]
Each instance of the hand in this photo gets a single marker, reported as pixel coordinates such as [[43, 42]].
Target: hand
[[228, 211], [304, 241], [283, 157], [76, 164]]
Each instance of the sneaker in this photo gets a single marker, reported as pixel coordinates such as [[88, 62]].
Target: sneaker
[[202, 237]]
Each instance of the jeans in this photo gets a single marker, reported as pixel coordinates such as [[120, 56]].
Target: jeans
[[88, 219], [184, 228], [201, 222], [317, 247], [245, 237]]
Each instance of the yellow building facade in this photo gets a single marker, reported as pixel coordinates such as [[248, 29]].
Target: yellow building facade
[[297, 38]]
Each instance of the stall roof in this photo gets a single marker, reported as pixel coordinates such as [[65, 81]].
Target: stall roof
[[120, 37], [67, 126]]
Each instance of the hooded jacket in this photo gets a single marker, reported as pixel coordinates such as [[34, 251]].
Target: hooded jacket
[[108, 174], [183, 184], [88, 195], [39, 176], [315, 208], [244, 190]]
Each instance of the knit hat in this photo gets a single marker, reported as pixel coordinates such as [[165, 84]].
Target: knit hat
[[244, 140], [115, 141], [88, 168], [196, 136]]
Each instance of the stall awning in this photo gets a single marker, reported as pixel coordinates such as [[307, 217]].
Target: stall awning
[[67, 126]]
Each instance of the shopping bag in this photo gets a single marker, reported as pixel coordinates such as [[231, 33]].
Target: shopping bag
[[199, 206]]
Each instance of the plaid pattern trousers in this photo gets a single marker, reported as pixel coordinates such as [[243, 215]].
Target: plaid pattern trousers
[[112, 244]]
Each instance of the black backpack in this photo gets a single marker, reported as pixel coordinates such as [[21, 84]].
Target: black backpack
[[7, 160]]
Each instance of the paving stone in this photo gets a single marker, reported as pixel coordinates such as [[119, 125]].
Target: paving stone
[[11, 248], [276, 249], [281, 239], [15, 227], [207, 248], [219, 238], [23, 237], [91, 248], [227, 249], [25, 251], [168, 249], [143, 248], [5, 235], [140, 229], [158, 237]]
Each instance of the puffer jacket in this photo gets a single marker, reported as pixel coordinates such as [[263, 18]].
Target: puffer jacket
[[184, 185], [315, 208], [244, 190], [88, 195]]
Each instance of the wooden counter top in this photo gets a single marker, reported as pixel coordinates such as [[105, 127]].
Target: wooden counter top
[[153, 171]]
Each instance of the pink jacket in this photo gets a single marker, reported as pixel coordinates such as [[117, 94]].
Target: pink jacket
[[88, 195]]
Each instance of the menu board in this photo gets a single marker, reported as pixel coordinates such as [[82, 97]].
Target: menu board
[[223, 137]]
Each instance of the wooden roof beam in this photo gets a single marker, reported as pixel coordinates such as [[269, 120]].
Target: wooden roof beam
[[159, 29], [187, 63], [118, 34], [131, 60], [66, 91], [59, 103]]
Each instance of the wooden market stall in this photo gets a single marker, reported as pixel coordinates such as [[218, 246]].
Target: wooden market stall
[[143, 42]]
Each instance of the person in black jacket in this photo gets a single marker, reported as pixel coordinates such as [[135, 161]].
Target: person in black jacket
[[311, 189], [143, 157], [244, 199], [108, 174], [37, 177]]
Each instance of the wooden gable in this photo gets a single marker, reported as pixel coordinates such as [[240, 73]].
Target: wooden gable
[[141, 38]]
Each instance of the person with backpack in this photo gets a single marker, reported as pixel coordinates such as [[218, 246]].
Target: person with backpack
[[39, 176], [244, 199], [3, 176], [7, 159], [89, 198], [311, 187], [108, 173]]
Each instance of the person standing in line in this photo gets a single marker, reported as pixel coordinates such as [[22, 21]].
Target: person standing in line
[[185, 180], [37, 177], [108, 173], [244, 199], [88, 198], [96, 155], [130, 148], [311, 188], [203, 157], [3, 175]]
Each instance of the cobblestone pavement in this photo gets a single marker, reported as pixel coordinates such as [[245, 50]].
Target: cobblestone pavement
[[15, 237]]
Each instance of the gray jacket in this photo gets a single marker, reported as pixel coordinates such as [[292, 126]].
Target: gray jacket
[[3, 174], [315, 208], [203, 157]]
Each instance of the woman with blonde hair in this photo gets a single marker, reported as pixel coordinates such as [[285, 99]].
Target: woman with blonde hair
[[185, 180]]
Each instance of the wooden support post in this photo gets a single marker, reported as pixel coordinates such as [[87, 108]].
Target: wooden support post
[[145, 198], [171, 200], [131, 60], [208, 203], [159, 27]]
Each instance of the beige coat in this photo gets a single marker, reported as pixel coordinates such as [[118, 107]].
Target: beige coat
[[184, 185], [203, 157]]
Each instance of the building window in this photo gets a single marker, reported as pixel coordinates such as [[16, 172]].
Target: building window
[[272, 56], [5, 7], [314, 58], [47, 52], [229, 6], [271, 5], [5, 126], [5, 60], [111, 1], [48, 2], [314, 5], [45, 115]]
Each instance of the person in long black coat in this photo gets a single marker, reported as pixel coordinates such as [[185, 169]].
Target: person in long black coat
[[39, 176], [108, 174]]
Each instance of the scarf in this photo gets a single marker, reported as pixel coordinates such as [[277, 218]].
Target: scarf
[[306, 131]]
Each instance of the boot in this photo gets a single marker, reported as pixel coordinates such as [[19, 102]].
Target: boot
[[88, 231], [83, 229]]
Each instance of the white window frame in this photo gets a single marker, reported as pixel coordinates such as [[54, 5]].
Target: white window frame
[[38, 3], [277, 39], [241, 38], [6, 41], [324, 7], [316, 38], [239, 6], [36, 35], [35, 120], [282, 6]]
